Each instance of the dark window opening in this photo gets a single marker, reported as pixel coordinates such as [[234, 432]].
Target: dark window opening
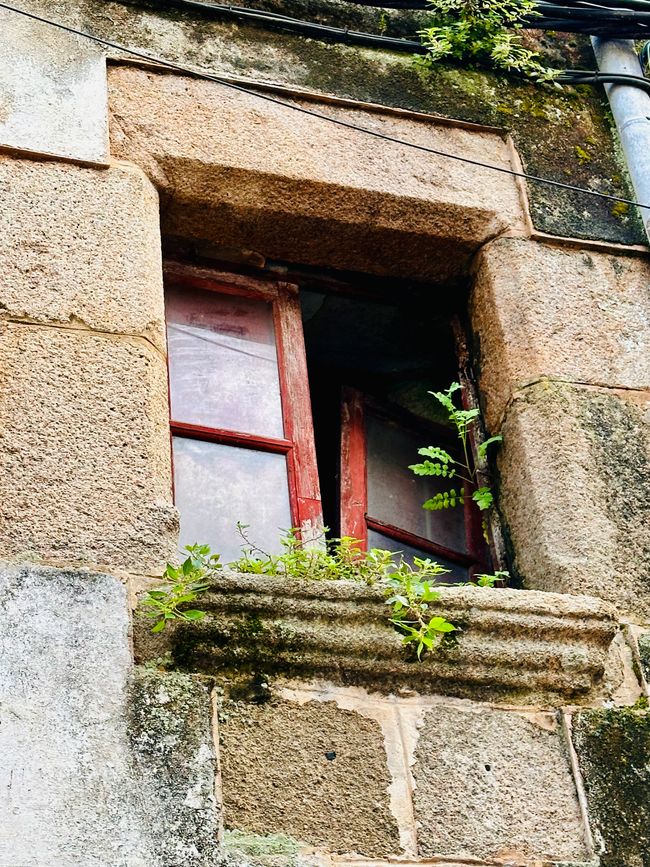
[[294, 408]]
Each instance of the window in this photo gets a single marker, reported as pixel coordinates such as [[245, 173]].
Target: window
[[242, 444], [250, 444]]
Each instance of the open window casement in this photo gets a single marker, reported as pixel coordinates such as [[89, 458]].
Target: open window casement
[[381, 499], [242, 436], [242, 352]]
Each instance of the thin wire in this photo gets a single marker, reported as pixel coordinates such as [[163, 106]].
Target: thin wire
[[311, 113]]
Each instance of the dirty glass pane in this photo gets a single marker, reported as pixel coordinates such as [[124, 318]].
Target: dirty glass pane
[[456, 575], [223, 368], [395, 494], [217, 485]]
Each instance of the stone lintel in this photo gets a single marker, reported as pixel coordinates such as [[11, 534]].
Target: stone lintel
[[240, 171]]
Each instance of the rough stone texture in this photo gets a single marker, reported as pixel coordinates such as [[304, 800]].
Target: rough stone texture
[[171, 738], [243, 172], [643, 643], [555, 132], [55, 103], [515, 644], [574, 476], [81, 246], [613, 749], [84, 449], [81, 786], [539, 310], [313, 771], [491, 784]]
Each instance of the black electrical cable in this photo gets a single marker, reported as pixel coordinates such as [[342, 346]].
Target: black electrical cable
[[304, 28], [580, 76], [250, 91]]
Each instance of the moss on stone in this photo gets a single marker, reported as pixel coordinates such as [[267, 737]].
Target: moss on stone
[[269, 849], [613, 748], [547, 125]]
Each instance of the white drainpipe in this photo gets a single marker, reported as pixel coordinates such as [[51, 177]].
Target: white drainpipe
[[631, 109]]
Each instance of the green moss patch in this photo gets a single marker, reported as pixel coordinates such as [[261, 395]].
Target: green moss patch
[[613, 747]]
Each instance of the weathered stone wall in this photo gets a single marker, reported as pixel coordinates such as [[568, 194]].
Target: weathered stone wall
[[326, 732], [563, 349]]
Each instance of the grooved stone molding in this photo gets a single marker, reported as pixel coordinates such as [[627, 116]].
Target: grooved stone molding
[[52, 91], [513, 643], [100, 766]]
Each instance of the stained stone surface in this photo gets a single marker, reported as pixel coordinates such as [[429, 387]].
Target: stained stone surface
[[54, 103], [495, 783], [523, 646], [95, 773], [574, 476], [81, 247], [312, 771], [84, 450], [545, 311], [613, 749]]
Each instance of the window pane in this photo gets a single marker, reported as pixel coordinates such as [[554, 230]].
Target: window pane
[[457, 574], [395, 494], [217, 485], [223, 368]]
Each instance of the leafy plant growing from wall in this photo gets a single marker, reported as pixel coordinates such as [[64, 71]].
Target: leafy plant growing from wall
[[181, 585], [409, 589], [441, 463], [483, 33]]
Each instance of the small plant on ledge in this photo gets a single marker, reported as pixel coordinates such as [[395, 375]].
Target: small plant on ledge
[[482, 33], [180, 586], [409, 590]]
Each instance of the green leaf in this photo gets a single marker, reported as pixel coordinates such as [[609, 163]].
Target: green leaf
[[158, 627], [193, 614], [437, 454], [482, 449], [483, 498], [441, 624]]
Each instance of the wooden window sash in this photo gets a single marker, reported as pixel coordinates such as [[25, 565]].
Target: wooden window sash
[[355, 520], [298, 443]]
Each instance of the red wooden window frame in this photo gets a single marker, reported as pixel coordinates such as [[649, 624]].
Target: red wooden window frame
[[298, 442], [355, 520]]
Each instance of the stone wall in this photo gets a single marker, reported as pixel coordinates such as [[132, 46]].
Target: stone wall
[[291, 714]]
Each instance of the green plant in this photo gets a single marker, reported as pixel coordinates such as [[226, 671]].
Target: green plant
[[334, 559], [409, 589], [181, 585], [483, 32], [440, 463], [410, 593], [492, 580]]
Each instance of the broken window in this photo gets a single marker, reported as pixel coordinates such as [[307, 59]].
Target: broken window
[[279, 392]]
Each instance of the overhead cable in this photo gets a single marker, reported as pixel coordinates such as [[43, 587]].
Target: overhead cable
[[304, 28], [266, 97]]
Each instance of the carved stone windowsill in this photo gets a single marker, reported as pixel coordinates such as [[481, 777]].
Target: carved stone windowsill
[[521, 645]]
